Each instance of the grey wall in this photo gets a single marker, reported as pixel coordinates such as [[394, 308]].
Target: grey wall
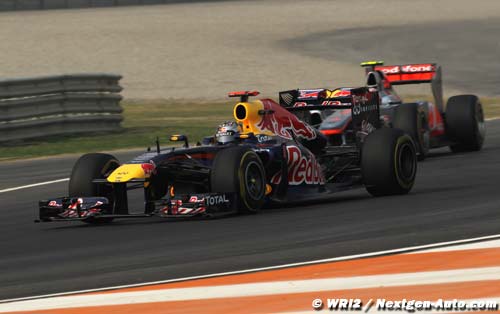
[[13, 5], [59, 105]]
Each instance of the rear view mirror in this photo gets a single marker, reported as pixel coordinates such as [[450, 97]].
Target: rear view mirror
[[180, 138]]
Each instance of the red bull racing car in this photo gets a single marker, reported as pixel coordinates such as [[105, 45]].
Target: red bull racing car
[[460, 125], [269, 154]]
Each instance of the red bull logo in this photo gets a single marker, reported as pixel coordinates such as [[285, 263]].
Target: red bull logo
[[339, 93], [301, 169], [283, 123]]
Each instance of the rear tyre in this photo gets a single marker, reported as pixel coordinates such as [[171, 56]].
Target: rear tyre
[[465, 123], [388, 162], [86, 169], [239, 170], [408, 118]]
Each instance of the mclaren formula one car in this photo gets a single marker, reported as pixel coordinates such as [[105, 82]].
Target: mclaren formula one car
[[460, 125], [272, 156]]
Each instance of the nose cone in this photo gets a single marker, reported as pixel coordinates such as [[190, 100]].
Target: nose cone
[[126, 173]]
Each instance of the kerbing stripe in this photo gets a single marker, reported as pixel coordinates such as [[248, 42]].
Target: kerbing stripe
[[257, 289]]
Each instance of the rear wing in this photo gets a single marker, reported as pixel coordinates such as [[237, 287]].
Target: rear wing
[[315, 99], [364, 103], [411, 74]]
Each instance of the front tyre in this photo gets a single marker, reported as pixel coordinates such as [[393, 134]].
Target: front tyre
[[239, 170], [388, 162], [88, 168], [465, 123]]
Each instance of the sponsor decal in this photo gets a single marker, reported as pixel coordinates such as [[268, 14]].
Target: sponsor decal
[[408, 68], [324, 103], [301, 168], [212, 200], [195, 205], [331, 103], [395, 69], [309, 93], [300, 104], [264, 138], [228, 133], [360, 106], [54, 204], [338, 93], [413, 68], [148, 168], [283, 123], [356, 109]]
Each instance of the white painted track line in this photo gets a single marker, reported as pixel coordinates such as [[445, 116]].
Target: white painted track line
[[33, 185], [468, 246]]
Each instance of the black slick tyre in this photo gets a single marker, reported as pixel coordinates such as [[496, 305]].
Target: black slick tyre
[[408, 118], [388, 162], [86, 169], [465, 123], [239, 170]]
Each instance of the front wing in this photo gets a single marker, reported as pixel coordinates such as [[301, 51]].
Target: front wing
[[99, 208]]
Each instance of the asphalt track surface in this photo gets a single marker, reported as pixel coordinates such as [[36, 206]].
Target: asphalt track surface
[[467, 50], [456, 196]]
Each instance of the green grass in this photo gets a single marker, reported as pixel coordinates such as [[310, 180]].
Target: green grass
[[145, 120]]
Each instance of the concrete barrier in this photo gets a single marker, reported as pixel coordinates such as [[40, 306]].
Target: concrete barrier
[[55, 105], [14, 5]]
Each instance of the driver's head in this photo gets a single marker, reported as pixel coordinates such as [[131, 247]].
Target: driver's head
[[227, 132]]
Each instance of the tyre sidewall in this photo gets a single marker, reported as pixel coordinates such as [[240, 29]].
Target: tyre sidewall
[[381, 167], [228, 176], [462, 125], [86, 169]]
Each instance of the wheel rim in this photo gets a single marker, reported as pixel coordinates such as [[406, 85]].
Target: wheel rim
[[254, 183], [406, 163]]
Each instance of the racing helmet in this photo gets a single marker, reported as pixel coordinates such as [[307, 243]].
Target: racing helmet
[[227, 132]]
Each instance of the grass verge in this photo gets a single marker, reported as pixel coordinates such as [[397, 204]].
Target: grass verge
[[144, 120]]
